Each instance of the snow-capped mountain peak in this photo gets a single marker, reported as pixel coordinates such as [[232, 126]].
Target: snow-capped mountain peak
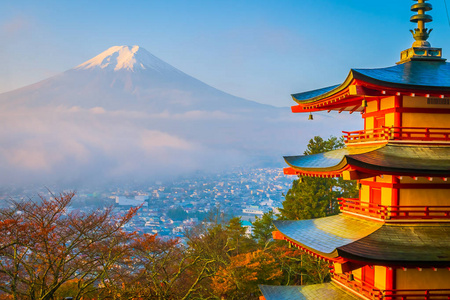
[[125, 58]]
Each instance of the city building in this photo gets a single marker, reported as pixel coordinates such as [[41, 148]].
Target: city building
[[393, 242], [136, 201]]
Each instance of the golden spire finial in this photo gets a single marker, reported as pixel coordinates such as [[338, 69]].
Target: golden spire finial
[[421, 48], [421, 33]]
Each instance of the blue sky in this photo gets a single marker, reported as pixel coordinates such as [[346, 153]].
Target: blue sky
[[260, 50]]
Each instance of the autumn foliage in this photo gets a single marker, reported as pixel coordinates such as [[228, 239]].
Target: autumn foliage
[[240, 278], [42, 247], [47, 252]]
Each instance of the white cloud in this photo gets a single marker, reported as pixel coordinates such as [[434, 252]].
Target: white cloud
[[97, 110], [68, 145], [152, 139]]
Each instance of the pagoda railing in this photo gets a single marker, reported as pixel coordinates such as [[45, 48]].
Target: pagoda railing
[[366, 135], [399, 212], [372, 292], [398, 133], [432, 294], [358, 286]]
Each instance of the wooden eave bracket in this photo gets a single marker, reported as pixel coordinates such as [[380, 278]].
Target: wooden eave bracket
[[370, 89], [359, 90], [276, 235], [351, 87], [290, 171], [342, 266], [331, 174], [328, 103], [355, 175]]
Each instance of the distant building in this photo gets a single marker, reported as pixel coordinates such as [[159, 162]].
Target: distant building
[[136, 201], [253, 210], [248, 228], [249, 213]]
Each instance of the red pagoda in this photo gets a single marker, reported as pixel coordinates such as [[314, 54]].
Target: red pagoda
[[393, 242]]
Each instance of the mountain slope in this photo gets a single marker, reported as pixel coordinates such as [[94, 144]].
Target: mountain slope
[[127, 116], [124, 77]]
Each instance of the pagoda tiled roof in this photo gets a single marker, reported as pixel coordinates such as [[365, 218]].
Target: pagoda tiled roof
[[325, 235], [326, 161], [313, 93], [426, 75], [367, 241], [398, 159], [414, 75], [328, 291], [420, 244]]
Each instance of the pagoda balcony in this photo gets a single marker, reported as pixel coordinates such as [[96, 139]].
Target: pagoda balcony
[[386, 212], [432, 294], [398, 133], [358, 286], [371, 292]]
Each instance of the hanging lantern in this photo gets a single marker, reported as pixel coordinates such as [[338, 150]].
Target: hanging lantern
[[364, 103]]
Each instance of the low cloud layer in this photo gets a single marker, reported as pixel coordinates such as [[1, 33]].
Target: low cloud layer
[[81, 146], [98, 126]]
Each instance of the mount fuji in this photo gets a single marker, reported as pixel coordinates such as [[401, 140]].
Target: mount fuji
[[129, 78], [126, 115]]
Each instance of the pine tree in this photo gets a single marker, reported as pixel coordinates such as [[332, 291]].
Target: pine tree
[[262, 229], [314, 197]]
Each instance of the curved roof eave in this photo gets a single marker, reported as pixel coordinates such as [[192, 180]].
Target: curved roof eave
[[363, 240], [413, 160], [334, 89], [416, 244], [331, 161], [325, 235], [341, 165]]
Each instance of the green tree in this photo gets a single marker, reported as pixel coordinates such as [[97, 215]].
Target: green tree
[[319, 145], [215, 244], [314, 197], [262, 229], [177, 214], [237, 238]]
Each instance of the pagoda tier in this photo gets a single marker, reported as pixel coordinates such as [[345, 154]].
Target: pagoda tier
[[343, 238], [370, 161], [414, 78], [328, 291]]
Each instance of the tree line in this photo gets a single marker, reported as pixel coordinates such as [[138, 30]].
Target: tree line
[[47, 252]]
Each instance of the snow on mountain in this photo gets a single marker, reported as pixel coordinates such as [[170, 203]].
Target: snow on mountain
[[126, 58], [126, 115], [130, 78]]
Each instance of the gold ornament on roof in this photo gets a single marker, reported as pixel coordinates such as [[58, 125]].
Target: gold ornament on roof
[[421, 49]]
